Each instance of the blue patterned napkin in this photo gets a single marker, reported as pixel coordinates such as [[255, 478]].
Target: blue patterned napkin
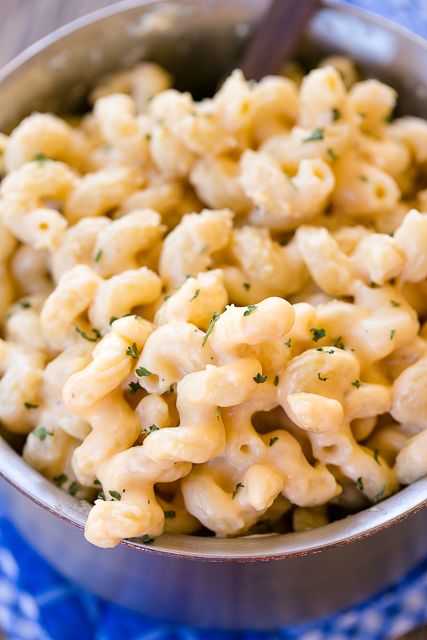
[[36, 603]]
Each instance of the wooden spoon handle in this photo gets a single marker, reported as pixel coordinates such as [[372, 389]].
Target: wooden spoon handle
[[276, 37]]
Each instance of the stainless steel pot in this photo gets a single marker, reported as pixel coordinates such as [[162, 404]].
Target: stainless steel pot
[[257, 582]]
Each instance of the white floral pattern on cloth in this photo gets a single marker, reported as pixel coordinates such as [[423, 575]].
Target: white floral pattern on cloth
[[36, 603]]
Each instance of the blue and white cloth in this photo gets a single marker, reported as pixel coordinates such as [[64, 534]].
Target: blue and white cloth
[[36, 603]]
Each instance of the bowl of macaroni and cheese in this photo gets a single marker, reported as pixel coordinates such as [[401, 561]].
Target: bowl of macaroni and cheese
[[213, 349]]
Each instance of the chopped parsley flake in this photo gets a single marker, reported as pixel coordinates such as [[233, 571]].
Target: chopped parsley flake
[[359, 484], [196, 293], [357, 384], [115, 495], [170, 514], [132, 351], [373, 285], [259, 379], [100, 496], [152, 427], [318, 334], [250, 309], [331, 351], [288, 343], [314, 136], [319, 375], [73, 488], [146, 539], [264, 526], [338, 343], [331, 153], [210, 328], [99, 255], [134, 388], [272, 441], [31, 405], [394, 303], [114, 318], [60, 480], [142, 372], [336, 114], [380, 495], [96, 334], [376, 458], [239, 485], [96, 483], [276, 380], [41, 158], [392, 334], [41, 433], [25, 304], [247, 285]]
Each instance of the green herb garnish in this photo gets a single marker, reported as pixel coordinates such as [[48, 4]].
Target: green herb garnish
[[272, 441], [259, 379], [315, 135], [142, 372], [59, 480], [338, 343], [392, 334], [41, 433], [380, 495], [359, 484], [146, 539], [357, 384], [134, 388], [196, 293], [99, 255], [318, 334], [319, 375], [153, 427], [250, 309], [73, 488], [170, 514], [40, 158], [238, 486], [84, 335], [276, 380], [132, 351], [210, 328], [115, 495], [31, 405]]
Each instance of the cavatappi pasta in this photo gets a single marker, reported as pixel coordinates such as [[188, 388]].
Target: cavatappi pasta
[[212, 312]]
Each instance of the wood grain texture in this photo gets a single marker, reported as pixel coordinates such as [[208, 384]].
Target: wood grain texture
[[26, 21]]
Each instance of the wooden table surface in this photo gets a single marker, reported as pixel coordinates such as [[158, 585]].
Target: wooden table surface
[[26, 21]]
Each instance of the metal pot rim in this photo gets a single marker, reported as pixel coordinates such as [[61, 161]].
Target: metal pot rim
[[353, 528]]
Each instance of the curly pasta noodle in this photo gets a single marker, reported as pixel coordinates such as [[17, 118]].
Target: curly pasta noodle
[[212, 311]]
